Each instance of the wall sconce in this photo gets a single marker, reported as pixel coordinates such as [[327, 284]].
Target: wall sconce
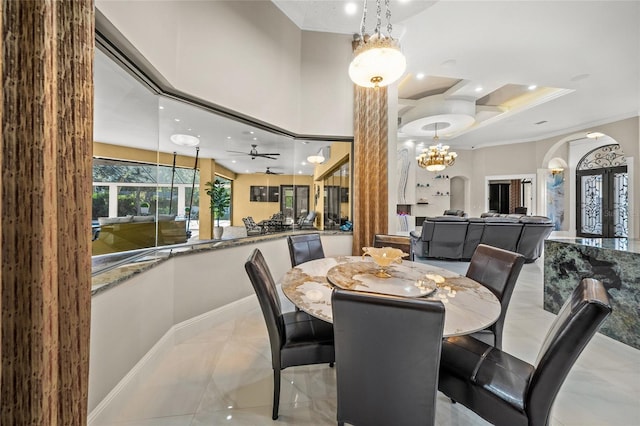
[[556, 171]]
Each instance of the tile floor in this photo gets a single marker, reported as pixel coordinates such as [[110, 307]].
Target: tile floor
[[224, 376]]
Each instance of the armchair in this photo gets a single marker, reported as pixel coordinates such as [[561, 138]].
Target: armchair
[[308, 221], [251, 226]]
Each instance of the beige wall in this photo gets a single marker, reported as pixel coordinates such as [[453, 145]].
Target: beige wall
[[326, 95], [531, 157], [246, 56], [259, 210]]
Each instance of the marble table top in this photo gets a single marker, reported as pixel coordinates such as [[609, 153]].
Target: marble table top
[[469, 306]]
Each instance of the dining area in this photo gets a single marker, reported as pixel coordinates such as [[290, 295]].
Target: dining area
[[399, 332], [218, 368]]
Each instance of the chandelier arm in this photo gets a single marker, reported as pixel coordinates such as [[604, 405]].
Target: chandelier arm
[[388, 13], [363, 24], [378, 18]]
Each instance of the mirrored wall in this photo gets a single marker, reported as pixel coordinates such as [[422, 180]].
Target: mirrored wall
[[154, 155]]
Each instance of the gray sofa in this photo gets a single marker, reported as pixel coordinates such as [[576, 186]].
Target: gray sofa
[[454, 237]]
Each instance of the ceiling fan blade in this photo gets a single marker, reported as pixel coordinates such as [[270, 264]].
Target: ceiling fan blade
[[265, 156], [267, 153]]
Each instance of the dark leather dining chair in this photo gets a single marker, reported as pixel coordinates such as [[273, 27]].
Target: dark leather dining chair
[[296, 338], [505, 390], [387, 356], [498, 270], [304, 247]]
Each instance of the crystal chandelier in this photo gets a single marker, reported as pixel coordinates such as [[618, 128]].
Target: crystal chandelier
[[437, 157], [377, 60]]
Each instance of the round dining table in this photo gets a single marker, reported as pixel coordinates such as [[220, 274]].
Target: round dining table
[[469, 306]]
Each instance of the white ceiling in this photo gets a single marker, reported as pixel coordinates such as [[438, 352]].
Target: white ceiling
[[591, 48]]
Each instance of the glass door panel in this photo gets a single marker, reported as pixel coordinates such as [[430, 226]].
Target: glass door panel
[[620, 204], [591, 205]]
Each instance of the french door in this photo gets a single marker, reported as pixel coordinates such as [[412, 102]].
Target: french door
[[294, 201], [603, 198]]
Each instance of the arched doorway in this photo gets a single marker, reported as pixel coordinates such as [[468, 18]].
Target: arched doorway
[[602, 194]]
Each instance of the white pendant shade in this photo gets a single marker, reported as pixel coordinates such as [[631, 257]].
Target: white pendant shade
[[377, 63]]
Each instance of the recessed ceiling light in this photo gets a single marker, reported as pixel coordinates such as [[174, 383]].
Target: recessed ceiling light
[[532, 87], [255, 139], [228, 137], [479, 89], [420, 75], [350, 8], [233, 161], [161, 107], [299, 172], [189, 129], [176, 120], [304, 163], [184, 140], [250, 132]]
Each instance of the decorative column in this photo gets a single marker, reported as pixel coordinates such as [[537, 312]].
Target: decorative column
[[370, 180], [45, 160]]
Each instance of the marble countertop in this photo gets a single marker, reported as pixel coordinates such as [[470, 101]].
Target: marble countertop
[[469, 306], [619, 244]]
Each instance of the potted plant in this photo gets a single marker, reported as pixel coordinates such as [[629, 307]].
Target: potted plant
[[220, 201], [144, 207]]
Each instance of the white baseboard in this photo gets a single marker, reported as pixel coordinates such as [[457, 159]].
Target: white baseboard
[[176, 334]]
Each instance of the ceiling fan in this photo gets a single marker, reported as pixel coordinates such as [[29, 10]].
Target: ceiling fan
[[253, 153], [269, 172]]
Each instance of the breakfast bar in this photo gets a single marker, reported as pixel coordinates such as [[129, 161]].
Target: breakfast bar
[[614, 261]]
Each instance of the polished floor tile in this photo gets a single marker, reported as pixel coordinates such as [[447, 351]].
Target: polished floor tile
[[223, 376]]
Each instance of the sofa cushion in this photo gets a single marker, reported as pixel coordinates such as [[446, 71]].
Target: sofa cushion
[[535, 219], [501, 219], [447, 219]]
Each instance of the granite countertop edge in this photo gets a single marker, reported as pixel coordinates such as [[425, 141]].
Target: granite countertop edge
[[116, 276]]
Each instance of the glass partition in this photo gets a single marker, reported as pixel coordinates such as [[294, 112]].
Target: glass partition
[[153, 154]]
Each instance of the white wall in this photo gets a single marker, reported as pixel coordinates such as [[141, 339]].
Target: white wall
[[326, 93], [246, 56], [129, 319]]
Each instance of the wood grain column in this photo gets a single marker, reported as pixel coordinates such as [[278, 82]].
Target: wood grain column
[[47, 134], [370, 179]]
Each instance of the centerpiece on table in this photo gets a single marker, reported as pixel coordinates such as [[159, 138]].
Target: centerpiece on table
[[384, 257]]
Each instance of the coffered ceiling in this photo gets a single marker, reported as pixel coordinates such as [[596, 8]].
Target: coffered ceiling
[[494, 72]]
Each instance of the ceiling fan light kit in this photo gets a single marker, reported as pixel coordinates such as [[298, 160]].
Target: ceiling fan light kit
[[377, 60]]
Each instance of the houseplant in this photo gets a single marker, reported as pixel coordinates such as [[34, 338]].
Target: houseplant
[[144, 207], [220, 200]]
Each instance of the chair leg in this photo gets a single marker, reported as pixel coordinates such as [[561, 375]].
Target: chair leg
[[331, 364], [276, 393]]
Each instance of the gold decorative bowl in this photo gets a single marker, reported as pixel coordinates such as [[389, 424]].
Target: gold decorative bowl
[[384, 257]]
